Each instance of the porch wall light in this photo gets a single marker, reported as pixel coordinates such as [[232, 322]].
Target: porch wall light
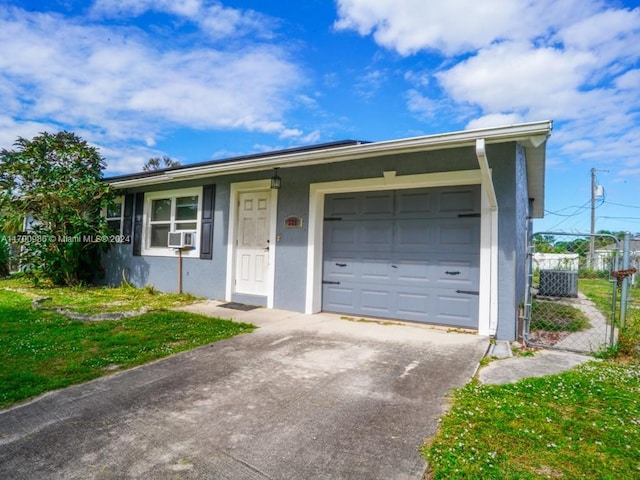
[[276, 181]]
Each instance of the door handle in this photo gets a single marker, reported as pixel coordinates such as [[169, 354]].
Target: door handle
[[452, 273]]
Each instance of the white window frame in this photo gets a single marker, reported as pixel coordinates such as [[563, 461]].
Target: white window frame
[[105, 213], [149, 197]]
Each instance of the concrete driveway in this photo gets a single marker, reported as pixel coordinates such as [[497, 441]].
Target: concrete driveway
[[303, 397]]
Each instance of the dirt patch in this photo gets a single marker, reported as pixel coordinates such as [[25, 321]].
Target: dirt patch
[[547, 337]]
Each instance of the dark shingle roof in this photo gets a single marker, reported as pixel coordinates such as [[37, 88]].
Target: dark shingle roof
[[274, 153]]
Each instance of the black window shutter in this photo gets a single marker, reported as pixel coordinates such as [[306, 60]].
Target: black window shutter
[[206, 226], [127, 217], [137, 224]]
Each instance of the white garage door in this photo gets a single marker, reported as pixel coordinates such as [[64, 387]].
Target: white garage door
[[405, 254]]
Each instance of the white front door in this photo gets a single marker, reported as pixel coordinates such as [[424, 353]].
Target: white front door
[[252, 243]]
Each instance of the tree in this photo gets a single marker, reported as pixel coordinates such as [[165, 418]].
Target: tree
[[543, 243], [157, 163], [57, 180], [11, 223]]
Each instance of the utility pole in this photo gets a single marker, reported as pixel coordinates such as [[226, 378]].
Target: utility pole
[[596, 191], [593, 220]]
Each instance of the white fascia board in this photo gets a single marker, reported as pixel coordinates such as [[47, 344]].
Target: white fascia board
[[520, 132]]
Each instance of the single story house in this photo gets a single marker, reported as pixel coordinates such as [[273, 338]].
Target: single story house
[[428, 229]]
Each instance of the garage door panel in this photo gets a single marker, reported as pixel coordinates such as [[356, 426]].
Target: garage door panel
[[375, 270], [459, 272], [341, 268], [393, 262], [343, 205], [411, 271], [458, 235], [375, 302], [413, 235], [375, 235], [413, 306], [462, 200], [378, 204], [342, 236], [457, 309], [411, 203], [341, 298]]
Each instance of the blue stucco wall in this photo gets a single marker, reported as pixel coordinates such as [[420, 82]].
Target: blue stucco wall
[[502, 160], [207, 278]]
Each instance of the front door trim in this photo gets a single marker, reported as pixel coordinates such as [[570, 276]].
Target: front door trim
[[235, 190]]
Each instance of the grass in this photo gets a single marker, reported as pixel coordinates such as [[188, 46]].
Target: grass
[[599, 291], [89, 299], [41, 350], [556, 316], [584, 423]]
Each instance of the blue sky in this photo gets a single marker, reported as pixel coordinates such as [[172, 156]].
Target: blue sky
[[199, 80]]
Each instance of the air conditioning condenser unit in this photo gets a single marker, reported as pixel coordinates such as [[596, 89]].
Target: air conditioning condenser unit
[[558, 283]]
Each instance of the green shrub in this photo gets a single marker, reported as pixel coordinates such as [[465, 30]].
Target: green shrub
[[5, 256], [629, 336]]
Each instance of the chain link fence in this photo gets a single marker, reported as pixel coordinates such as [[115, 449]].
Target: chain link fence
[[573, 294]]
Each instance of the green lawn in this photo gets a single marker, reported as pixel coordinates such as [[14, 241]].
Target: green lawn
[[583, 423], [87, 300], [41, 350]]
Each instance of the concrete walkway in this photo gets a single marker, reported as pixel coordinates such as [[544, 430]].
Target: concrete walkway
[[542, 363], [592, 339], [303, 397]]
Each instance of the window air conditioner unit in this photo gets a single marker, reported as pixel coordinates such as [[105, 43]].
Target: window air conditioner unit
[[181, 239]]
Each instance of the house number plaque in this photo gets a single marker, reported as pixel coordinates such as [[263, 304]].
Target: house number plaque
[[293, 221]]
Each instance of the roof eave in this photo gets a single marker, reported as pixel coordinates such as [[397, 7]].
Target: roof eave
[[519, 132]]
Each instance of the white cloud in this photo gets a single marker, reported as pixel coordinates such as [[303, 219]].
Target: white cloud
[[311, 137], [423, 106], [574, 62], [518, 78], [10, 130], [494, 120], [454, 26], [212, 17], [370, 82], [121, 85], [291, 133], [570, 61]]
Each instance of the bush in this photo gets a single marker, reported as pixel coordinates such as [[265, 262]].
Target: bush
[[629, 336], [56, 179], [5, 256]]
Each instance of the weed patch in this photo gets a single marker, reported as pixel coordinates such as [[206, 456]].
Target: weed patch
[[556, 317]]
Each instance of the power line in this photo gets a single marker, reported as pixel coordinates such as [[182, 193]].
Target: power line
[[621, 205]]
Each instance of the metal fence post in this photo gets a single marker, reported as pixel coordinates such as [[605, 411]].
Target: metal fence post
[[625, 280]]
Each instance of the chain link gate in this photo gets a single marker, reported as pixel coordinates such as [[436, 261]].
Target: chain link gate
[[571, 296]]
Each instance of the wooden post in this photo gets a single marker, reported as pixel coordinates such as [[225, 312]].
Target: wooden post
[[180, 270]]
